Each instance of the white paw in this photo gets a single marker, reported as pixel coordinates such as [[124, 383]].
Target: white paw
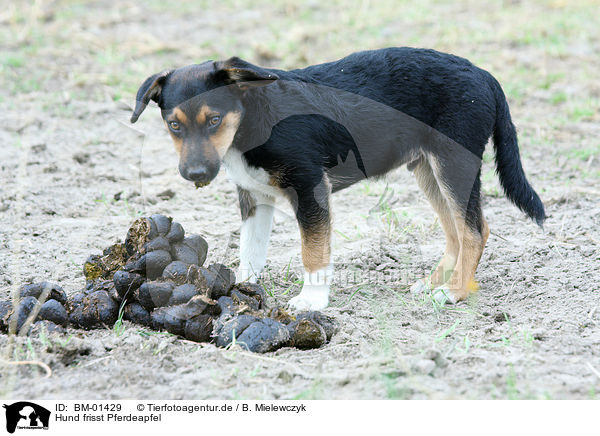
[[312, 297], [245, 275], [420, 287], [443, 295]]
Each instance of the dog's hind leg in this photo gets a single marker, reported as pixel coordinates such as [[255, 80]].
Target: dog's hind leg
[[460, 187], [257, 219], [427, 182]]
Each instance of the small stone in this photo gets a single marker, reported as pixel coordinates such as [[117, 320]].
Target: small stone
[[539, 334], [166, 194], [424, 366], [501, 317]]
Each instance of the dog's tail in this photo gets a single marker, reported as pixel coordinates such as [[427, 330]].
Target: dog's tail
[[508, 162]]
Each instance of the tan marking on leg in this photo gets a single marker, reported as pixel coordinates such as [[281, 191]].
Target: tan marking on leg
[[316, 247], [485, 231], [316, 240], [427, 182], [462, 282], [469, 243], [221, 140]]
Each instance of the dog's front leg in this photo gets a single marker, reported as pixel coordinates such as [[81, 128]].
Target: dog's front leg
[[315, 230], [257, 219]]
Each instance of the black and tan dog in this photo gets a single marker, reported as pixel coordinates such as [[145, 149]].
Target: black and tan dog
[[305, 133]]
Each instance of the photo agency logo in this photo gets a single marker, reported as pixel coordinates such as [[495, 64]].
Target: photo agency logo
[[24, 415]]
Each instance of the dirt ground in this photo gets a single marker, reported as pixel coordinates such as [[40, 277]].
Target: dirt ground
[[74, 173]]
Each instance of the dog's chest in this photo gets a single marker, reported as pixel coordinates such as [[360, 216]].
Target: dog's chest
[[252, 179]]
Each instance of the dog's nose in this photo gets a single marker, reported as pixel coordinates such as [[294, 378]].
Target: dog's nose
[[197, 174]]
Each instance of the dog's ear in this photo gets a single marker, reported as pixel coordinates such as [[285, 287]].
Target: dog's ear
[[150, 90], [242, 73]]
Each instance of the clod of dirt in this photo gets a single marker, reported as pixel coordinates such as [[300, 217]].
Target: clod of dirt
[[424, 366], [436, 356], [69, 351], [96, 310], [501, 317]]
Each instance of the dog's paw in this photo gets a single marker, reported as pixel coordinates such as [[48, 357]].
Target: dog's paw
[[245, 275], [315, 297], [443, 295], [420, 287]]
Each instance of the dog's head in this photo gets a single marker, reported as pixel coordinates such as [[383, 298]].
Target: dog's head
[[202, 106]]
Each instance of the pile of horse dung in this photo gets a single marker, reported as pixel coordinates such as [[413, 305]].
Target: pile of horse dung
[[156, 278]]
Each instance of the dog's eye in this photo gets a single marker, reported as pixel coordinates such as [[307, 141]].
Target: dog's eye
[[214, 121], [174, 125]]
